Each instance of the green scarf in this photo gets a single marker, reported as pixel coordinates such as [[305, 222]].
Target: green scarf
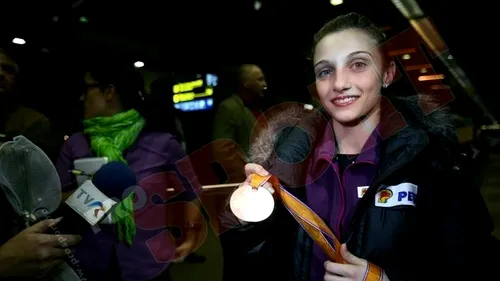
[[123, 216], [109, 137]]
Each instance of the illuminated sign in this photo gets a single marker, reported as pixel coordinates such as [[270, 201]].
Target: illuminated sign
[[212, 80], [187, 86], [187, 91], [191, 95], [196, 105]]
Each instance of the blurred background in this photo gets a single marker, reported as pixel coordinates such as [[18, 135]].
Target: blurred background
[[186, 40], [192, 46]]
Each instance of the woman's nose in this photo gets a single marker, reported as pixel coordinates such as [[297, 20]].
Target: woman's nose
[[340, 84]]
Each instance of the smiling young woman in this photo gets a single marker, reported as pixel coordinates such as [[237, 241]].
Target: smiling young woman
[[387, 178]]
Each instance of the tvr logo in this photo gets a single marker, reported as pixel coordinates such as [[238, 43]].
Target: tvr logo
[[90, 202]]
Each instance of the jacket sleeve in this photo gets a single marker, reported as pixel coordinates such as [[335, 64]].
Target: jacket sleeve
[[225, 148], [64, 164], [270, 244], [274, 241], [224, 123], [464, 241]]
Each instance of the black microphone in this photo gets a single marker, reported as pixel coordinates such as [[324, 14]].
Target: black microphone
[[114, 180]]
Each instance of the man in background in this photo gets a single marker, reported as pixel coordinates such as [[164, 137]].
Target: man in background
[[25, 252], [235, 119], [16, 119]]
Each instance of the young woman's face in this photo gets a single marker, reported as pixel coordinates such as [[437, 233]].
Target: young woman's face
[[94, 100], [349, 75]]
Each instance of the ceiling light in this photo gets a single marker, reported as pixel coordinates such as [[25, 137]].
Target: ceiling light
[[138, 64], [257, 5], [431, 77], [83, 20], [409, 8], [406, 56], [336, 2], [423, 70], [18, 41]]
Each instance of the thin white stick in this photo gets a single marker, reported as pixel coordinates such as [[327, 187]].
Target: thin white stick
[[214, 186]]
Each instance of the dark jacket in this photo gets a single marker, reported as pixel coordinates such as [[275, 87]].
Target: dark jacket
[[19, 120], [232, 129], [440, 237]]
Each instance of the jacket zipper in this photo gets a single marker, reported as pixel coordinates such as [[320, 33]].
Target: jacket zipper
[[368, 194], [342, 199], [342, 192]]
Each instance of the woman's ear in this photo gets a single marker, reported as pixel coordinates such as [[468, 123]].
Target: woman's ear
[[389, 73], [110, 92]]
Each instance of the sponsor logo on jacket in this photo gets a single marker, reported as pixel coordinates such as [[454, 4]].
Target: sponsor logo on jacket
[[404, 194]]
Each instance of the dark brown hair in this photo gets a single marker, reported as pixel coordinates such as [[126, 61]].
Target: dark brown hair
[[11, 55], [349, 21]]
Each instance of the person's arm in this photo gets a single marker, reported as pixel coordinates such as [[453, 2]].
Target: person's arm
[[63, 165], [464, 242], [292, 146], [246, 237], [225, 148], [224, 123], [188, 187], [32, 253]]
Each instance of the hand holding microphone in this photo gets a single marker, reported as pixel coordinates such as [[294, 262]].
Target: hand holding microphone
[[33, 253], [32, 187]]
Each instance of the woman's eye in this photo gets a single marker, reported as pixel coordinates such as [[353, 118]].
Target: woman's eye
[[358, 65], [324, 73]]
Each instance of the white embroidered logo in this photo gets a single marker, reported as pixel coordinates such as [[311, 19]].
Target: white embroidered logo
[[362, 190]]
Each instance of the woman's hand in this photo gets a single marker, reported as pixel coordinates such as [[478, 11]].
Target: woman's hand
[[184, 250], [33, 253], [251, 169], [257, 169], [354, 270]]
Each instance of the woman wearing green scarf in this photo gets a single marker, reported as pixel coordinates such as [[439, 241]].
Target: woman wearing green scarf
[[115, 128]]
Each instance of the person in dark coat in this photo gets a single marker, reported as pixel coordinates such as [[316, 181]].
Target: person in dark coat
[[388, 179]]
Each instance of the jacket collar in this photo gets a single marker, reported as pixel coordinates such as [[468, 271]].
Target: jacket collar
[[327, 147], [403, 133]]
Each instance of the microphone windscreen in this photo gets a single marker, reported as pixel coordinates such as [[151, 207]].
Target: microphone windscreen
[[113, 179]]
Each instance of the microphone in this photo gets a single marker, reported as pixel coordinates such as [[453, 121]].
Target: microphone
[[113, 179], [106, 199]]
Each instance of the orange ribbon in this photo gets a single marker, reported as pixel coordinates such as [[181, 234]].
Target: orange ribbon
[[312, 224]]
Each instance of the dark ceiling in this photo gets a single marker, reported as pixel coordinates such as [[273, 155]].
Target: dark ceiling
[[195, 35], [171, 34]]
